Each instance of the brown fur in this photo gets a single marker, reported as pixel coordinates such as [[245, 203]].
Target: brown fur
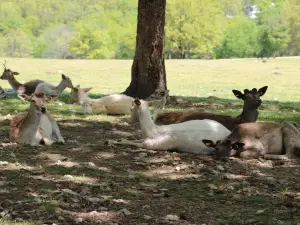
[[252, 140], [15, 125], [249, 114], [27, 88]]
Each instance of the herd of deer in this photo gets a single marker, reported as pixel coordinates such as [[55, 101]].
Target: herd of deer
[[191, 131]]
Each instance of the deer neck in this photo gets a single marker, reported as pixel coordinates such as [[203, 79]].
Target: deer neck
[[60, 87], [83, 99], [146, 123], [248, 115], [14, 83]]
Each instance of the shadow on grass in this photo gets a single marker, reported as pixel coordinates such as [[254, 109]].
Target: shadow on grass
[[88, 179]]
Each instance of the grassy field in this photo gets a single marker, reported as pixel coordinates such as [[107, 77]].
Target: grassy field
[[87, 181]]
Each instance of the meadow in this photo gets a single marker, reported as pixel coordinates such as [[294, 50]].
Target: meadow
[[87, 181]]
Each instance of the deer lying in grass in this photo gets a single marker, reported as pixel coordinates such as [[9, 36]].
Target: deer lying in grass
[[252, 140], [27, 88], [249, 114], [184, 137], [36, 126], [50, 89], [116, 104]]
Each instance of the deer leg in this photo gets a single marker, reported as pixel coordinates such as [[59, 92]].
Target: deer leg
[[128, 142], [56, 131], [250, 154], [276, 157], [160, 143]]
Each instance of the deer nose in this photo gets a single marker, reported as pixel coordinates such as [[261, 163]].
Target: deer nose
[[43, 109], [259, 101]]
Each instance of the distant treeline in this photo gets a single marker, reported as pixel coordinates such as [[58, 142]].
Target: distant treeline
[[100, 29]]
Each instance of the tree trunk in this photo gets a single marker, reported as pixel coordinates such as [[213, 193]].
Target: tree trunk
[[148, 75]]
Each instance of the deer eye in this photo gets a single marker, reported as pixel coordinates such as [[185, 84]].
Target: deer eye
[[33, 101]]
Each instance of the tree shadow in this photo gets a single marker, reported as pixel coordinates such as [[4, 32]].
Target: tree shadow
[[87, 178]]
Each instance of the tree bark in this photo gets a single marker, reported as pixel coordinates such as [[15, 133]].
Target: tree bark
[[148, 75]]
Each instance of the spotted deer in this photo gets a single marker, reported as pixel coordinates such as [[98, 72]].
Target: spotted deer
[[252, 140], [249, 114], [27, 88], [36, 126]]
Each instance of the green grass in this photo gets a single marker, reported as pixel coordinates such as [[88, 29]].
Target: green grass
[[193, 79], [199, 78]]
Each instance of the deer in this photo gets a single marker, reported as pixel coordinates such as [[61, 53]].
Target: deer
[[27, 88], [36, 127], [184, 137], [253, 140], [50, 89], [115, 104], [252, 100]]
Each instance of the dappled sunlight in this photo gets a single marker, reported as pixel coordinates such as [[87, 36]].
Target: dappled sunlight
[[93, 216]]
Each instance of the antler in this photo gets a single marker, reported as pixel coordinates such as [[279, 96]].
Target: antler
[[4, 65]]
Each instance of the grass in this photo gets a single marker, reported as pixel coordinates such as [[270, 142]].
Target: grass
[[198, 78], [120, 177]]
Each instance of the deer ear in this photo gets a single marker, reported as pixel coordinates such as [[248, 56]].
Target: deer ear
[[15, 73], [87, 89], [208, 143], [238, 94], [237, 145], [24, 97], [63, 76], [137, 101], [263, 90]]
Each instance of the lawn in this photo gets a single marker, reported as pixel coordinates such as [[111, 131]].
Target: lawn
[[87, 181]]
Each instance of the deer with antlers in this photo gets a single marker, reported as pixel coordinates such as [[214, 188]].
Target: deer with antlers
[[27, 88]]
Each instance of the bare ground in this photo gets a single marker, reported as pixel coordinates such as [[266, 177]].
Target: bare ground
[[87, 181]]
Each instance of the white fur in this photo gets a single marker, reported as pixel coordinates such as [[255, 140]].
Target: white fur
[[50, 89], [185, 137], [117, 104]]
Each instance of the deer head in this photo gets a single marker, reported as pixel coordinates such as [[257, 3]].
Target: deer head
[[251, 98], [37, 102], [7, 73], [66, 81], [224, 149], [77, 93]]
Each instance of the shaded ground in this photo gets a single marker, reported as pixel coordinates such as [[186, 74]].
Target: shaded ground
[[86, 181]]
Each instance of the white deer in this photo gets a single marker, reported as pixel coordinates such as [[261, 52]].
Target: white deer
[[185, 137], [116, 104], [36, 126], [50, 89]]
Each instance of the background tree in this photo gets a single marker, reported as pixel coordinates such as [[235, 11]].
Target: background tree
[[148, 75]]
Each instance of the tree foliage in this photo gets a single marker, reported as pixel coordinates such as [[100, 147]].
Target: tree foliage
[[107, 28]]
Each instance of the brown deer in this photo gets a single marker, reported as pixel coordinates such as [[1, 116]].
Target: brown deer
[[252, 140], [26, 88], [36, 126], [249, 114]]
